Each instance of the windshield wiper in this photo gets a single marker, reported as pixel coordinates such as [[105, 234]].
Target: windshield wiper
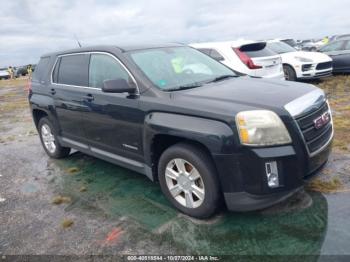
[[219, 78], [183, 87]]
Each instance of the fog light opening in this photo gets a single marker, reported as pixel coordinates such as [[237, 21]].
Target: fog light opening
[[272, 174]]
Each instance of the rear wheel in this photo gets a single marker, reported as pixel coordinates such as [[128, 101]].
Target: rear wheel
[[289, 73], [188, 179], [49, 139]]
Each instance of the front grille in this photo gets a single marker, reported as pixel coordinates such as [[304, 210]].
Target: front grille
[[324, 65], [315, 138]]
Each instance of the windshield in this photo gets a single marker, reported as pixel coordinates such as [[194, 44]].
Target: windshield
[[280, 47], [175, 68]]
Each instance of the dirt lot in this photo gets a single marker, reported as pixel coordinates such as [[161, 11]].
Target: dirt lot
[[85, 206]]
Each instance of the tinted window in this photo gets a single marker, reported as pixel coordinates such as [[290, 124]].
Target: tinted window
[[55, 71], [105, 67], [257, 50], [73, 70], [205, 50], [335, 46], [215, 54], [347, 45], [41, 69]]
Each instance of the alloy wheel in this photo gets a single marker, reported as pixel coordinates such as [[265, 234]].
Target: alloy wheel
[[48, 138], [184, 183]]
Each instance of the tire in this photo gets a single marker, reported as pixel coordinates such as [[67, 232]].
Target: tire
[[289, 73], [49, 141], [206, 198]]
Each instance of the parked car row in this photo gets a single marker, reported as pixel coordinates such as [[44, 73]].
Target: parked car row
[[14, 72], [4, 74], [268, 59]]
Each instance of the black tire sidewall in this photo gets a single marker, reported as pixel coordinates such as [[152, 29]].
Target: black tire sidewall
[[60, 151], [203, 163], [291, 73]]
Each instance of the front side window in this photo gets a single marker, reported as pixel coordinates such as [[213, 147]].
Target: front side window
[[73, 70], [347, 45], [178, 67], [336, 46], [104, 67]]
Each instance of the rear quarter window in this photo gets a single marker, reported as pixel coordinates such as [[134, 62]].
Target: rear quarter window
[[41, 69], [257, 50], [73, 70]]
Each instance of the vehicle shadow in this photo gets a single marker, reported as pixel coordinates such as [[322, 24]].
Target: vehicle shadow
[[295, 227]]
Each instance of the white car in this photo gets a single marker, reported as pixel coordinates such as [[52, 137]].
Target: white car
[[4, 74], [300, 64], [246, 57]]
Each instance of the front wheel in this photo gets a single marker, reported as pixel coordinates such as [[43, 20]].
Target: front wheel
[[188, 179], [49, 139], [289, 73]]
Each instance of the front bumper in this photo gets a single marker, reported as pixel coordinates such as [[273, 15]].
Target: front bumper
[[246, 189], [313, 73]]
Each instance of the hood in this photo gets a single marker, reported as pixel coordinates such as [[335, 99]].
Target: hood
[[243, 93], [315, 56]]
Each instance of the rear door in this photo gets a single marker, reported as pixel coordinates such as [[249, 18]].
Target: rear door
[[70, 80], [269, 61]]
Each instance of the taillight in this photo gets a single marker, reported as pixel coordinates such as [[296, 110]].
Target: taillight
[[246, 59]]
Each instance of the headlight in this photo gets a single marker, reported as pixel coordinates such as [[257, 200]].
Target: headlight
[[303, 59], [261, 128]]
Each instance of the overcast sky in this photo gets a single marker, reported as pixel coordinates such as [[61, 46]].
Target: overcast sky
[[29, 28]]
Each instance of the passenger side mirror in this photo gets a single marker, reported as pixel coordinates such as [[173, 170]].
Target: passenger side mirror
[[119, 85]]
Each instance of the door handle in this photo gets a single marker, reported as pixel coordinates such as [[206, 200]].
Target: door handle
[[52, 91], [89, 97]]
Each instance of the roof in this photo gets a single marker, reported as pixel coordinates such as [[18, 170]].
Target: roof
[[236, 43], [119, 48]]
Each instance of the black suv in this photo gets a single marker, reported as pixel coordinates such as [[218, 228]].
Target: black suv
[[181, 118]]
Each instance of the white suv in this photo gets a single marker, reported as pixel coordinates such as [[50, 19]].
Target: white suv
[[247, 57], [300, 64]]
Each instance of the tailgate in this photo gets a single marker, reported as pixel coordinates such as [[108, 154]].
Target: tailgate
[[262, 56], [271, 65]]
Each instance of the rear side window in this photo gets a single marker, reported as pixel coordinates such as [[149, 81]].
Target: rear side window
[[205, 50], [41, 69], [73, 70], [216, 55], [104, 67], [212, 53], [257, 50]]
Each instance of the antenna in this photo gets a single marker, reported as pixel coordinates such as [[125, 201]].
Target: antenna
[[76, 38]]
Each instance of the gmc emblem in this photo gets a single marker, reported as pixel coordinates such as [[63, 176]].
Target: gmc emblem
[[322, 120]]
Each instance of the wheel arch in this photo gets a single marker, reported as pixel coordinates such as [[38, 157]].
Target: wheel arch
[[163, 130], [37, 115]]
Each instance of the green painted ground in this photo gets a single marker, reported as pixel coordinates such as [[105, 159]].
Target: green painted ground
[[123, 194]]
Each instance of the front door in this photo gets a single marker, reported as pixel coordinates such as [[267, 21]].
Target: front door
[[113, 124]]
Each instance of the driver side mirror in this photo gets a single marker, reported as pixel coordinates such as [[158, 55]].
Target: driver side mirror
[[119, 85]]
